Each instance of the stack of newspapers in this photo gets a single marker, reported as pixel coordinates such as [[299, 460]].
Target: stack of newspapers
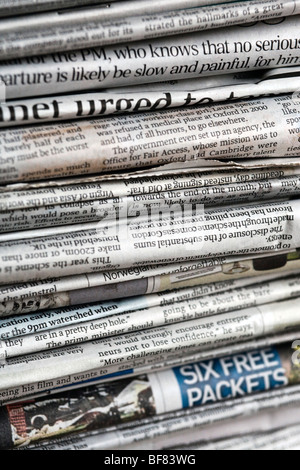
[[149, 224]]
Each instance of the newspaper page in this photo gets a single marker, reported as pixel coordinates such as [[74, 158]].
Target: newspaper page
[[213, 81], [112, 102], [58, 192], [223, 269], [120, 355], [147, 181], [104, 11], [144, 182], [280, 439], [61, 192], [150, 300], [269, 168], [207, 277], [26, 219], [17, 7], [107, 10], [240, 130], [260, 423], [188, 386], [203, 54], [251, 229], [96, 31], [18, 334], [176, 427], [95, 376]]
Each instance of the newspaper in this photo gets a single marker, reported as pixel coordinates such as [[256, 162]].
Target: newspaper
[[16, 7], [250, 229], [209, 270], [76, 325], [259, 422], [176, 428], [205, 53], [280, 439], [94, 30], [263, 422], [11, 396], [217, 172], [209, 276], [105, 10], [194, 135], [110, 102], [163, 299], [58, 192], [211, 81], [60, 214], [182, 387], [123, 354]]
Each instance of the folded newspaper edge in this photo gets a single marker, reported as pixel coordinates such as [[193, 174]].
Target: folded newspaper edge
[[62, 191], [285, 438], [255, 229], [203, 54], [193, 385], [190, 136], [11, 396], [123, 354], [91, 29], [183, 427], [114, 102], [205, 277], [15, 7], [50, 219], [74, 11], [92, 322], [269, 168]]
